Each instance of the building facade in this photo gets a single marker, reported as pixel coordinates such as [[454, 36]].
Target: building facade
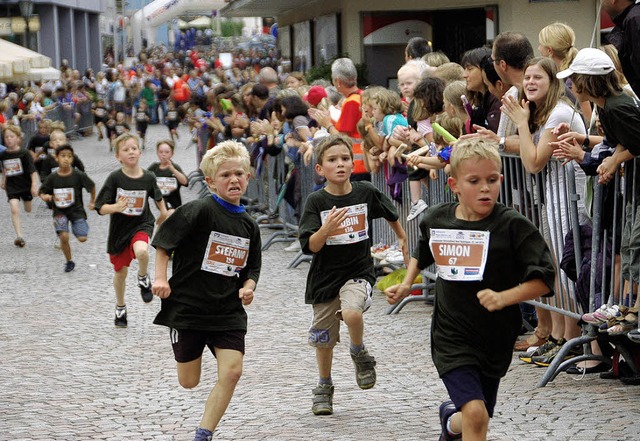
[[60, 29]]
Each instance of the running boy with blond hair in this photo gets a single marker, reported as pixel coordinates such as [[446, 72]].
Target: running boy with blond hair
[[216, 249], [489, 258], [124, 196]]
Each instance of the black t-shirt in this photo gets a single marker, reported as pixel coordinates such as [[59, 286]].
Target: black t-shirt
[[37, 144], [348, 255], [137, 217], [620, 121], [49, 164], [463, 332], [168, 184], [17, 168], [67, 193], [214, 252]]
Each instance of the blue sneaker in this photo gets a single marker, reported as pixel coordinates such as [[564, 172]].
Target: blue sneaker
[[203, 435], [446, 410]]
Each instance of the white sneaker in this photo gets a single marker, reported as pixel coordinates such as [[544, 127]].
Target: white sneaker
[[416, 208], [395, 257], [294, 247]]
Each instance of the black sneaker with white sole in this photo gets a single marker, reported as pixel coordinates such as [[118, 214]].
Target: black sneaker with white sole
[[121, 317], [144, 282]]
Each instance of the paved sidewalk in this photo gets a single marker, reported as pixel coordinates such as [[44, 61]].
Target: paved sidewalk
[[67, 374]]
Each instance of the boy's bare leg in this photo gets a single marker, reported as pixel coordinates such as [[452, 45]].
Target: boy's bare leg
[[119, 284], [27, 206], [15, 216], [473, 421], [189, 373], [557, 326], [324, 357], [64, 245], [141, 251], [229, 372], [355, 323]]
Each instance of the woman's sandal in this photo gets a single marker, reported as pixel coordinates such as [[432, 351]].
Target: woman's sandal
[[525, 344]]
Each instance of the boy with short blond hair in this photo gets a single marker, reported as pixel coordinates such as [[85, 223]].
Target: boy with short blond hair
[[489, 258], [124, 196], [216, 249], [336, 228]]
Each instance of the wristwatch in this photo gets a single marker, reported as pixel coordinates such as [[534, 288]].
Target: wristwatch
[[501, 145]]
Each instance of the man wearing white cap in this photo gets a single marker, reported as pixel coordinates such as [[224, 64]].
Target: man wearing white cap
[[626, 37]]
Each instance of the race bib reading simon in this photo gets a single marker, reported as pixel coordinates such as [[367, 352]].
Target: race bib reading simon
[[460, 255], [63, 197], [135, 201], [355, 227], [225, 254]]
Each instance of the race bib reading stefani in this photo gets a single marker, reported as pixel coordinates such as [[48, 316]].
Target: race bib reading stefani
[[12, 167], [225, 255], [63, 197], [135, 201], [460, 255], [167, 185], [355, 227]]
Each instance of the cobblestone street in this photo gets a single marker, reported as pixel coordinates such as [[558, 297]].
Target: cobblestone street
[[66, 373]]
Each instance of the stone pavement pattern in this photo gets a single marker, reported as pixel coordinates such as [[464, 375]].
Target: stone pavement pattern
[[67, 374]]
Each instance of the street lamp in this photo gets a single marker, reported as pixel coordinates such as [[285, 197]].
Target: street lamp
[[26, 10]]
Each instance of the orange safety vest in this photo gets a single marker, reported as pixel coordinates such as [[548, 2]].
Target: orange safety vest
[[179, 92], [356, 139]]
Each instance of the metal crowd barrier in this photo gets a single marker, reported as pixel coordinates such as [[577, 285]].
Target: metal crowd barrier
[[606, 278], [278, 216], [306, 175], [64, 113], [29, 128], [85, 124]]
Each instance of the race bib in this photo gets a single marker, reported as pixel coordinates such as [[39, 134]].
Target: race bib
[[141, 116], [172, 115], [460, 255], [225, 254], [63, 197], [135, 201], [167, 185], [12, 167], [355, 227], [100, 112]]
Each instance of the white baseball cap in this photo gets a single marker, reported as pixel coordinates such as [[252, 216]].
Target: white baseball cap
[[589, 61]]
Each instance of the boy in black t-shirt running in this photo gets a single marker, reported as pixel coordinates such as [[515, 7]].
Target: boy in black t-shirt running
[[124, 196], [63, 188], [489, 258], [19, 177], [216, 250], [335, 228]]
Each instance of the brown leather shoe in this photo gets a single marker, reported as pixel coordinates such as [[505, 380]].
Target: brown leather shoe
[[523, 345]]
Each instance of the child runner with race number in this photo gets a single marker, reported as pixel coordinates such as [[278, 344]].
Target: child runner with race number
[[335, 228], [216, 250], [489, 258]]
